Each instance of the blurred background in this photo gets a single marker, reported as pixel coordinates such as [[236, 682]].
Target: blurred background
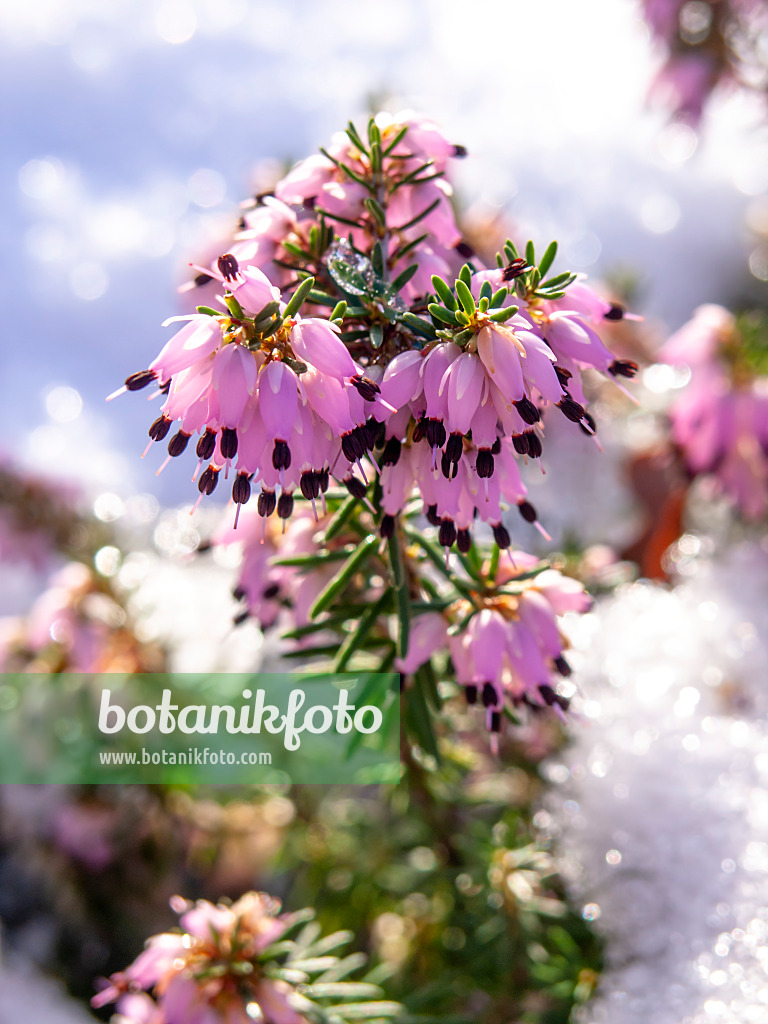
[[132, 131]]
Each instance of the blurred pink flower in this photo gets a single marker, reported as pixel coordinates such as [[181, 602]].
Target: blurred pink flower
[[209, 974], [720, 420]]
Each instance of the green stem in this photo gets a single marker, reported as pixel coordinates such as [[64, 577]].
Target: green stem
[[402, 597], [343, 576], [493, 568], [354, 639]]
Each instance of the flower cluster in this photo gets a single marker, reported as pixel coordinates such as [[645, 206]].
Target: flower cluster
[[720, 421], [706, 44], [395, 194], [470, 404], [510, 652], [432, 386], [224, 967]]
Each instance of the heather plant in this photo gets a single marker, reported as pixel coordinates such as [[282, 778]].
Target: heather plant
[[380, 393], [374, 395]]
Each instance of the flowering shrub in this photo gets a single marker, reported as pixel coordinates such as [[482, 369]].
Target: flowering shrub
[[364, 368]]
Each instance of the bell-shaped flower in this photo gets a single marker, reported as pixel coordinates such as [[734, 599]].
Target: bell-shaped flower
[[500, 353], [305, 180], [278, 398], [317, 341], [273, 999], [402, 382], [197, 339], [427, 635], [253, 289], [536, 614], [569, 336], [463, 383], [488, 632], [562, 593], [235, 371], [329, 399], [697, 342]]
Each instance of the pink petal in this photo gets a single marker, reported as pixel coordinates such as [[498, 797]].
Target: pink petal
[[278, 398]]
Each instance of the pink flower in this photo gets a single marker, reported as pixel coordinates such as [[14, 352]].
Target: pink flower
[[274, 1001], [562, 593], [253, 289], [698, 341], [287, 403], [200, 338], [317, 342], [306, 180], [138, 1008], [720, 420], [424, 138], [511, 652], [176, 967], [428, 634], [684, 84]]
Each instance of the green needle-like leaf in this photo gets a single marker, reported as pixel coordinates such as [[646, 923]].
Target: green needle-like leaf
[[419, 216], [313, 561], [493, 568], [365, 1011], [338, 311], [444, 293], [234, 307], [298, 297], [354, 138], [418, 324], [376, 335], [465, 297], [442, 314], [548, 258], [339, 519], [502, 315], [347, 170], [265, 315], [354, 639], [377, 212], [438, 560], [334, 587], [396, 141], [404, 277], [401, 593], [418, 717]]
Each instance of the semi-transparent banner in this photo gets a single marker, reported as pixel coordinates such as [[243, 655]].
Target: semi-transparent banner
[[220, 729]]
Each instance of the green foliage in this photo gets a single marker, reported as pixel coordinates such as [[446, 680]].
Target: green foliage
[[453, 895], [752, 333], [324, 993]]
